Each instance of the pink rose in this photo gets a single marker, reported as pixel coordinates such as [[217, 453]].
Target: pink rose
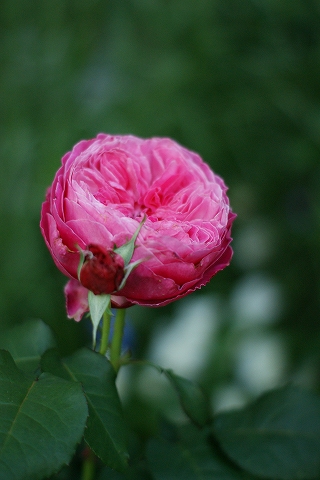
[[101, 193]]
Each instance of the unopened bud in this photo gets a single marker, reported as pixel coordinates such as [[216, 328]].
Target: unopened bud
[[102, 270]]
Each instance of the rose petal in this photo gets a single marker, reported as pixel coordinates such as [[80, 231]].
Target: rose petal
[[76, 299]]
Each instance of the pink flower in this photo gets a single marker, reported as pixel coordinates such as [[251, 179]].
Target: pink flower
[[101, 193]]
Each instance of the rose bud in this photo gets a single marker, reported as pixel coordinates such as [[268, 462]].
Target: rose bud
[[102, 271]]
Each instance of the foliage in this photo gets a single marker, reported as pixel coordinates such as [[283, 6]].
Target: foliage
[[43, 416], [42, 420]]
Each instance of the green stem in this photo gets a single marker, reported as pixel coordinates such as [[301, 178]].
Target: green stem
[[115, 350], [88, 467], [105, 333]]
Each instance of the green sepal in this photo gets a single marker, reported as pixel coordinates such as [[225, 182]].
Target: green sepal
[[127, 270], [98, 304], [126, 250], [81, 261]]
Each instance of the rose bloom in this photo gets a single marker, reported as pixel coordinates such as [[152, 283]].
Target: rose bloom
[[104, 189]]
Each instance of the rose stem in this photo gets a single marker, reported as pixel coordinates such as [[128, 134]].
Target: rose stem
[[116, 343], [88, 468], [105, 333]]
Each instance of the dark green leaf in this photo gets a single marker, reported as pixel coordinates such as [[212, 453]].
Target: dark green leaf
[[51, 362], [194, 459], [106, 431], [278, 436], [192, 398], [41, 421], [27, 342], [132, 473]]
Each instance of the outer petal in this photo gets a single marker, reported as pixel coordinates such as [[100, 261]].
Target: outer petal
[[76, 299]]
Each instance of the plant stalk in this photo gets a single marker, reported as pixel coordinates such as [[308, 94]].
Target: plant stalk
[[88, 466], [105, 333], [115, 349]]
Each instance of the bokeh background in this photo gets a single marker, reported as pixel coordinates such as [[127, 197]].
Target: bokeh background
[[236, 81]]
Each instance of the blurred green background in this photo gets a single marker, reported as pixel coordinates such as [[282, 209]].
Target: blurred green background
[[236, 81]]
